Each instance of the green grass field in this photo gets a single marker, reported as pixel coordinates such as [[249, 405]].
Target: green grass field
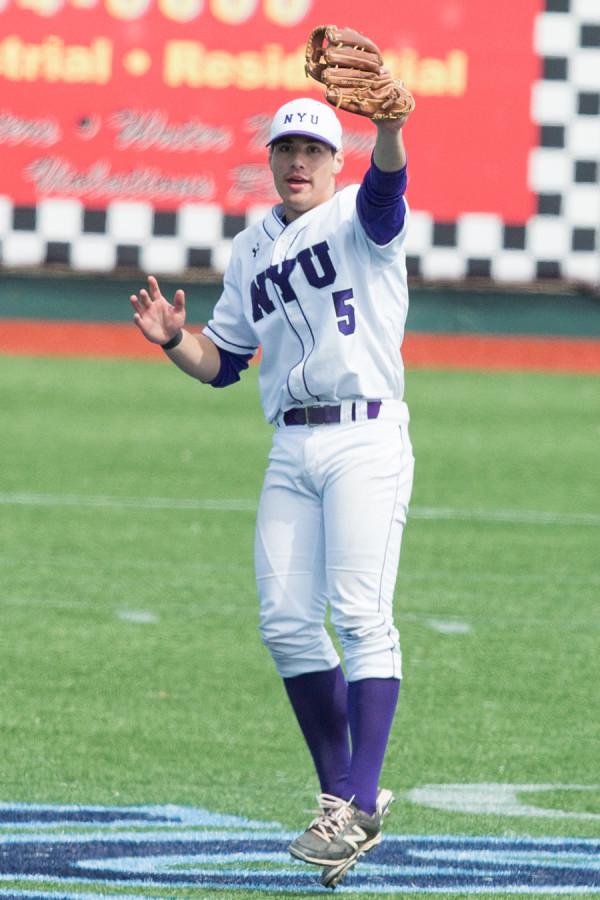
[[131, 671]]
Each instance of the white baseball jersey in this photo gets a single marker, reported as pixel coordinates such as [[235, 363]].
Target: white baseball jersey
[[322, 300]]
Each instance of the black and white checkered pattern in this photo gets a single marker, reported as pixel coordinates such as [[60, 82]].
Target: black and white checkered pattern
[[561, 241], [127, 234]]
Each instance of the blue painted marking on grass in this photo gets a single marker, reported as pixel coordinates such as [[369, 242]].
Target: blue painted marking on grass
[[51, 815], [10, 894], [88, 849]]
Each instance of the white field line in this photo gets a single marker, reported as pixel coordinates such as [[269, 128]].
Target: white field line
[[105, 502], [138, 616], [449, 626], [513, 516], [434, 513]]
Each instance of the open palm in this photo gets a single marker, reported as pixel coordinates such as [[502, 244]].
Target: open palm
[[156, 318]]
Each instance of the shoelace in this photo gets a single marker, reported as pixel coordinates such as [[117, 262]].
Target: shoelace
[[334, 815]]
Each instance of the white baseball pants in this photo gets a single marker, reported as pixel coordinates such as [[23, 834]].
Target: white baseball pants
[[328, 534]]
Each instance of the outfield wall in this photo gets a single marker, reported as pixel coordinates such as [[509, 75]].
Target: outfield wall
[[449, 309], [90, 316], [132, 132]]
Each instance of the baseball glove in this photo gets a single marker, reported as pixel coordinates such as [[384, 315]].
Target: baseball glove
[[351, 68]]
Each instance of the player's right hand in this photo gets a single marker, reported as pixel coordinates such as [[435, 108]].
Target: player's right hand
[[157, 319]]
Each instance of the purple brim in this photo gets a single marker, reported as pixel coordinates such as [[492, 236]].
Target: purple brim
[[310, 134]]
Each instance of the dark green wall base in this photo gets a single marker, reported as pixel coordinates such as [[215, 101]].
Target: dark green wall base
[[433, 309]]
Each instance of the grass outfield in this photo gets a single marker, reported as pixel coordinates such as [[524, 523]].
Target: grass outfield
[[131, 671]]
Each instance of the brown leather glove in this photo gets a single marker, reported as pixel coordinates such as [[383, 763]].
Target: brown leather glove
[[351, 68]]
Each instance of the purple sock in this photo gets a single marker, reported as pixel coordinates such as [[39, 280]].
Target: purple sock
[[371, 707], [319, 700]]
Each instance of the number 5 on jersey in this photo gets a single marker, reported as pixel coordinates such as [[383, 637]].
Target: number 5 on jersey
[[344, 310]]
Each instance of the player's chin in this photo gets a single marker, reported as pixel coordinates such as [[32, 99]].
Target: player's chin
[[298, 204]]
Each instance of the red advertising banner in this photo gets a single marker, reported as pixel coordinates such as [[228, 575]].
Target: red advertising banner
[[169, 101]]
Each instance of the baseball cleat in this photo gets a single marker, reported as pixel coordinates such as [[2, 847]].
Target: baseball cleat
[[332, 875], [339, 835], [320, 832]]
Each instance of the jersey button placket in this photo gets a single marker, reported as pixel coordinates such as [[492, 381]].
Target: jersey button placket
[[294, 318]]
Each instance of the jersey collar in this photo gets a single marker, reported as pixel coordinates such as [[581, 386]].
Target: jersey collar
[[273, 222]]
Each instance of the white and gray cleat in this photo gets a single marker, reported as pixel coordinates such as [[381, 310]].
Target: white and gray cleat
[[360, 834]]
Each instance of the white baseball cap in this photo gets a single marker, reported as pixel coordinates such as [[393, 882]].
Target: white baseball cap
[[307, 117]]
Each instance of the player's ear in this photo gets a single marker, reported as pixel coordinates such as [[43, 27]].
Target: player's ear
[[338, 161]]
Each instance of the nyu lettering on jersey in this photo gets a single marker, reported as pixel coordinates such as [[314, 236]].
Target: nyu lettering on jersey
[[326, 303]]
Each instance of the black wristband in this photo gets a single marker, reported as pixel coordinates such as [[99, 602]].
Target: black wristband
[[174, 342]]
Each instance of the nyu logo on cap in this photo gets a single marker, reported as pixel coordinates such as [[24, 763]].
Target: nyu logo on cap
[[309, 118]]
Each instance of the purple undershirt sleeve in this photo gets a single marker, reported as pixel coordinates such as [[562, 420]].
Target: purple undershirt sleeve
[[380, 203], [231, 366]]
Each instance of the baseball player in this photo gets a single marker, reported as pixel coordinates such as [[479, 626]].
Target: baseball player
[[320, 285]]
